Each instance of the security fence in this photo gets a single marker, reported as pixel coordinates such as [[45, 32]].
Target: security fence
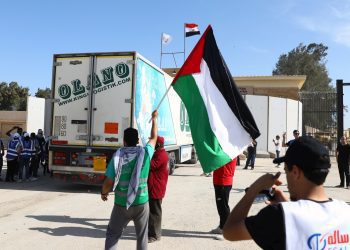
[[320, 117]]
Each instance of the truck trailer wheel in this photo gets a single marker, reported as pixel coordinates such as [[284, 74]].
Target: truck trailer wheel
[[172, 162], [194, 157]]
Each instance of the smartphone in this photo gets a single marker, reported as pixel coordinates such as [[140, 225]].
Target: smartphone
[[263, 195]]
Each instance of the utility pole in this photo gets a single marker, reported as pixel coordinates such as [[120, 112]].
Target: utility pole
[[340, 109]]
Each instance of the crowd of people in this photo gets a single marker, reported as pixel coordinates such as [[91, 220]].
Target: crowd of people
[[138, 176], [25, 153]]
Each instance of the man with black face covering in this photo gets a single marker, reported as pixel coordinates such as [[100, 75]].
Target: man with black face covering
[[2, 153], [41, 140], [34, 162]]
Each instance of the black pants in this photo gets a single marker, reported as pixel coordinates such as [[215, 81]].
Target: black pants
[[11, 168], [344, 171], [250, 160], [1, 163], [34, 165], [222, 195], [155, 218]]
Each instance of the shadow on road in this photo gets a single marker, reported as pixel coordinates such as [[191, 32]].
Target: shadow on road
[[72, 231], [187, 175], [48, 184], [129, 233], [91, 230]]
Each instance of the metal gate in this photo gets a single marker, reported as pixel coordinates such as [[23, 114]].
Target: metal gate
[[320, 117]]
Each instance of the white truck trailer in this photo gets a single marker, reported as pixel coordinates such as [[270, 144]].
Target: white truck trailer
[[98, 95]]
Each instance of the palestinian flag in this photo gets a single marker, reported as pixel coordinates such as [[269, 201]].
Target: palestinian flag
[[191, 29], [221, 123]]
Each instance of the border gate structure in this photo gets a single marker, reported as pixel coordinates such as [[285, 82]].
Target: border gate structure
[[320, 118]]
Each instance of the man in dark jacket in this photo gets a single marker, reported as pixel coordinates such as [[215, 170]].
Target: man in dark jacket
[[251, 155], [157, 181], [2, 153], [343, 159]]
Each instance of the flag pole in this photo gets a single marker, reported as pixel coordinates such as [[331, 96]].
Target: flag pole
[[161, 50], [165, 94], [184, 42], [161, 100]]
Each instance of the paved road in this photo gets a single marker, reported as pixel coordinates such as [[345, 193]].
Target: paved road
[[47, 214]]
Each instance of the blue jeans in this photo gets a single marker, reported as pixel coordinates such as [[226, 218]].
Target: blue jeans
[[250, 160], [277, 153]]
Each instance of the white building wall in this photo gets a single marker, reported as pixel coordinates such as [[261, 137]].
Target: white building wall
[[35, 114], [258, 106], [276, 121], [274, 116], [293, 118]]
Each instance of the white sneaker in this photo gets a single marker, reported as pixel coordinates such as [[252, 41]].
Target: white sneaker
[[219, 237], [217, 230]]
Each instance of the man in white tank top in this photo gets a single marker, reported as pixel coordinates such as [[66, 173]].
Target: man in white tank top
[[310, 220]]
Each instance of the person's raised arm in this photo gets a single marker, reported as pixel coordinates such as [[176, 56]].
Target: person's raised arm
[[284, 140], [154, 131], [8, 133]]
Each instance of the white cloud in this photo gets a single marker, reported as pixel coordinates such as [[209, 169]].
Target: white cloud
[[258, 50], [340, 9], [343, 35], [308, 24], [333, 20]]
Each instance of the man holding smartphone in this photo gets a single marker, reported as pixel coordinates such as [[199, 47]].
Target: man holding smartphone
[[309, 220]]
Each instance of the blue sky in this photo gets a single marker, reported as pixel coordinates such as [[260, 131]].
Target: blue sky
[[251, 34]]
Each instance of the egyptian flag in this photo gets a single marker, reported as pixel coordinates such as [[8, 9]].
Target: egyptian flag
[[221, 123], [191, 29]]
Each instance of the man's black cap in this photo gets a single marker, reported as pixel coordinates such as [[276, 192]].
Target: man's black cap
[[307, 153]]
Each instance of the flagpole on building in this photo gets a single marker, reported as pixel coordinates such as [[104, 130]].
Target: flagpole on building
[[184, 42], [161, 50]]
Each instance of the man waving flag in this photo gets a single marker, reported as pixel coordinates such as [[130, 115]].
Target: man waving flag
[[221, 123]]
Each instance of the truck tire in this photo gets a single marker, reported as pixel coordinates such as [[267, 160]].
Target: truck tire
[[194, 157], [172, 162], [171, 166]]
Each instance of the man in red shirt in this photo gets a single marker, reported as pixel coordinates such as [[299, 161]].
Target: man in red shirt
[[157, 181], [222, 180]]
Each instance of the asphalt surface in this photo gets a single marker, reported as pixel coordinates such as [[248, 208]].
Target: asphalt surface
[[48, 214]]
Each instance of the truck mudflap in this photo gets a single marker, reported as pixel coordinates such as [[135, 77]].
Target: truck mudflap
[[79, 178]]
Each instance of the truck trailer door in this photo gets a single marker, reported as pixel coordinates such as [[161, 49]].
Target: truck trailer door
[[71, 101], [112, 99]]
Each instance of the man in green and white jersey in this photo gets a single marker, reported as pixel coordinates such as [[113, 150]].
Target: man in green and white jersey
[[127, 175]]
